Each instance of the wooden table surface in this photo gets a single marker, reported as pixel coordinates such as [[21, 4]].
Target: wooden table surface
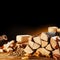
[[4, 56]]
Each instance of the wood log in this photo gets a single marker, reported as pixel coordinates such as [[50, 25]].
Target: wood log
[[33, 45], [52, 29], [28, 50], [48, 47], [54, 43], [23, 38], [56, 52], [44, 43], [37, 40], [59, 43], [58, 32], [44, 36], [43, 52]]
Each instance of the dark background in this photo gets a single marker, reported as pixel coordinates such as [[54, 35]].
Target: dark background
[[14, 25]]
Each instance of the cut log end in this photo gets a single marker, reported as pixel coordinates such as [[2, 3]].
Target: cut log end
[[44, 44], [28, 50], [44, 36], [37, 40], [53, 43], [23, 38], [48, 47], [43, 52]]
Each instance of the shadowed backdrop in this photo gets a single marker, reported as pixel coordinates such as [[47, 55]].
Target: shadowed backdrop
[[15, 25]]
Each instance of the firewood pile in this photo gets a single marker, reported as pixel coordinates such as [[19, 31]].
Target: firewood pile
[[45, 44]]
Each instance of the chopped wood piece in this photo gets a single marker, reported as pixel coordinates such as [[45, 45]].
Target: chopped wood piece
[[36, 54], [55, 37], [52, 29], [23, 38], [44, 36], [1, 50], [59, 43], [37, 40], [33, 45], [56, 51], [48, 47], [58, 30], [28, 50], [8, 50], [53, 43], [43, 51], [44, 43], [9, 44]]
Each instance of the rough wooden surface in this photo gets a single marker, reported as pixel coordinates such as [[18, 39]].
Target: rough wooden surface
[[4, 56]]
